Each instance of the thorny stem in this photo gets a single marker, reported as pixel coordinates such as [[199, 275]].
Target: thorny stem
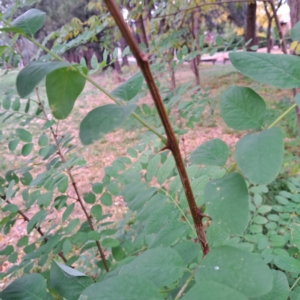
[[79, 199], [151, 128], [172, 145], [38, 229]]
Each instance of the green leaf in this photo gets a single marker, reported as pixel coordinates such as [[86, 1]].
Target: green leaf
[[11, 208], [43, 140], [96, 211], [63, 184], [236, 269], [295, 235], [6, 103], [165, 170], [279, 70], [106, 199], [132, 152], [97, 187], [152, 167], [23, 241], [264, 209], [67, 281], [31, 75], [26, 149], [24, 135], [10, 191], [162, 266], [16, 104], [67, 212], [30, 22], [35, 220], [103, 120], [109, 243], [130, 88], [7, 250], [89, 198], [32, 286], [131, 287], [26, 178], [45, 199], [280, 289], [295, 32], [12, 145], [95, 236], [242, 108], [161, 217], [67, 246], [13, 257], [223, 198], [187, 250], [169, 234], [211, 153], [260, 156], [287, 263], [211, 290], [63, 86]]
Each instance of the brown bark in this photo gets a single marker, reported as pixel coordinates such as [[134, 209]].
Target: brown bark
[[250, 33], [140, 28], [123, 45], [270, 19], [195, 31], [294, 11]]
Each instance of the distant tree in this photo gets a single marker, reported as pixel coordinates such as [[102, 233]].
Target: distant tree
[[294, 11], [250, 32]]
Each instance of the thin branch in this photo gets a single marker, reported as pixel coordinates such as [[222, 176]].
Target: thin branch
[[38, 229], [79, 199], [172, 145], [183, 288]]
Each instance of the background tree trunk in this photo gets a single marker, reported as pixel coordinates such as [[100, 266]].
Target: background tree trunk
[[140, 28], [123, 45], [294, 11], [251, 25], [195, 31]]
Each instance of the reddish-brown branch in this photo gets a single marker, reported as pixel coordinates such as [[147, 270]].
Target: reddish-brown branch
[[38, 229], [142, 60], [79, 199]]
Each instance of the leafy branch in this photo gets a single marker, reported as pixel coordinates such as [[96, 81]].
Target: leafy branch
[[151, 128], [37, 228], [68, 171]]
